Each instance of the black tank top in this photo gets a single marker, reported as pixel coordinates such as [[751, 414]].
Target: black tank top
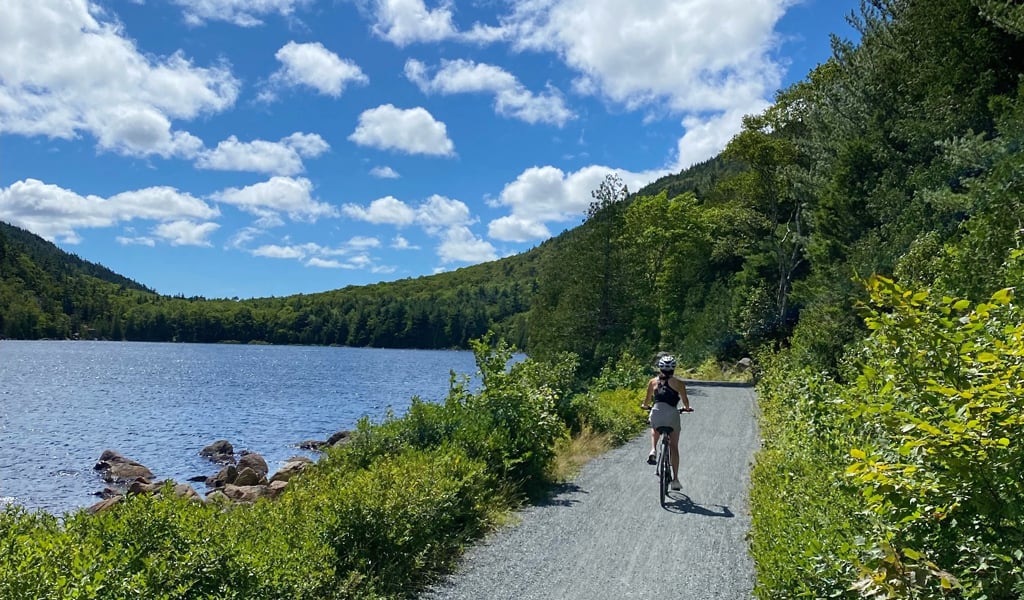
[[665, 393]]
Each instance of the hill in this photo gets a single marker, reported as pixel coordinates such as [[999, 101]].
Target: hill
[[48, 293]]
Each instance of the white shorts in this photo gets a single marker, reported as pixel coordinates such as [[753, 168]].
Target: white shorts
[[665, 415]]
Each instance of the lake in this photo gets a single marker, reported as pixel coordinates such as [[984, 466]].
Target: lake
[[62, 403]]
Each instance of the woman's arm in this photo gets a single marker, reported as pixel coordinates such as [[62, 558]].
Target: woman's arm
[[650, 392]]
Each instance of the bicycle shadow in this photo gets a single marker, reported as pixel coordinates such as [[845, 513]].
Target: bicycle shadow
[[684, 505]]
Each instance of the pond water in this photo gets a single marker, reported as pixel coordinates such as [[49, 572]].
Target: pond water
[[62, 403]]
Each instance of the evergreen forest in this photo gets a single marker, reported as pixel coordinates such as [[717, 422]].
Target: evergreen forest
[[861, 239]]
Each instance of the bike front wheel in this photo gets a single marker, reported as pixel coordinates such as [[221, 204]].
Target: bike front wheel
[[664, 471]]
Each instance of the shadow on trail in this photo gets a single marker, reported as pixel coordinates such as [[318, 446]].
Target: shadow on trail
[[682, 504], [562, 495]]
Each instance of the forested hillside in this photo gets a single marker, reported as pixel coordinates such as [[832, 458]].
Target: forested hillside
[[896, 157], [47, 293]]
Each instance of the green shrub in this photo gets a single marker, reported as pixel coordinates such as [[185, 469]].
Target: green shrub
[[941, 401], [616, 413], [626, 373], [804, 510], [512, 425], [906, 481], [399, 523]]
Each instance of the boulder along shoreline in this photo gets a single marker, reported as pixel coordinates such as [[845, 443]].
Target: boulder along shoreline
[[244, 477]]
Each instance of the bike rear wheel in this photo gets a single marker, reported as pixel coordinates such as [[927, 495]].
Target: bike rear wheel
[[664, 470]]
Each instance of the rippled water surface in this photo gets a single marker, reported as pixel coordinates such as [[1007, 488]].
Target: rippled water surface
[[63, 403]]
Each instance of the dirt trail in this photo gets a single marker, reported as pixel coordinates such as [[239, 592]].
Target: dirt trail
[[599, 538]]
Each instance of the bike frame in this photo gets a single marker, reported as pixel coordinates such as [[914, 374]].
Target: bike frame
[[664, 462]]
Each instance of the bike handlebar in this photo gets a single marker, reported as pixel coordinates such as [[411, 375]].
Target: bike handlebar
[[681, 410]]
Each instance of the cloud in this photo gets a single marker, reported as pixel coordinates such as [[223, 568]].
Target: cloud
[[413, 131], [400, 243], [384, 173], [517, 229], [55, 213], [546, 194], [362, 242], [388, 210], [244, 13], [460, 245], [186, 233], [275, 251], [706, 137], [325, 263], [260, 156], [315, 66], [696, 55], [512, 99], [63, 73], [277, 195], [135, 241], [439, 216], [403, 22], [706, 60], [438, 212], [352, 253]]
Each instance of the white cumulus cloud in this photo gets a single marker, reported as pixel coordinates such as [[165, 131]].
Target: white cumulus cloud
[[403, 22], [186, 233], [64, 73], [275, 158], [244, 13], [413, 131], [56, 213], [439, 211], [511, 98], [547, 194], [384, 172], [461, 245], [268, 199], [350, 255], [387, 210], [315, 66]]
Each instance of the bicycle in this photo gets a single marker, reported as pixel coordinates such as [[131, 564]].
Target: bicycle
[[664, 465], [663, 461]]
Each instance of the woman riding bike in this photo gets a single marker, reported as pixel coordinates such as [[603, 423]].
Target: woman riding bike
[[663, 395]]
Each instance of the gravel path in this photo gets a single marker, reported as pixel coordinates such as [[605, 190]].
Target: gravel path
[[598, 538]]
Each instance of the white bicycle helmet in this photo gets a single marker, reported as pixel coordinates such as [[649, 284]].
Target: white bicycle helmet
[[667, 363]]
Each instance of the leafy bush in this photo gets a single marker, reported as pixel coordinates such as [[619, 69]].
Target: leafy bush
[[616, 413], [906, 481], [626, 373], [803, 526], [393, 526], [941, 402], [512, 424]]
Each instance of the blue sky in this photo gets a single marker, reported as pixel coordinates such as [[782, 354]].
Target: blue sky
[[243, 148]]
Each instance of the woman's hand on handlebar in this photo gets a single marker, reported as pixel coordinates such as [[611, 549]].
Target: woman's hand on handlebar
[[686, 409]]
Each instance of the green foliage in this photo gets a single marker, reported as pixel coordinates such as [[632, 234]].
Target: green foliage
[[616, 413], [512, 424], [804, 523], [628, 372], [941, 394], [398, 523]]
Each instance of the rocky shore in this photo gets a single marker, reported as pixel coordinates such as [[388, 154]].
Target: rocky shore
[[243, 477]]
